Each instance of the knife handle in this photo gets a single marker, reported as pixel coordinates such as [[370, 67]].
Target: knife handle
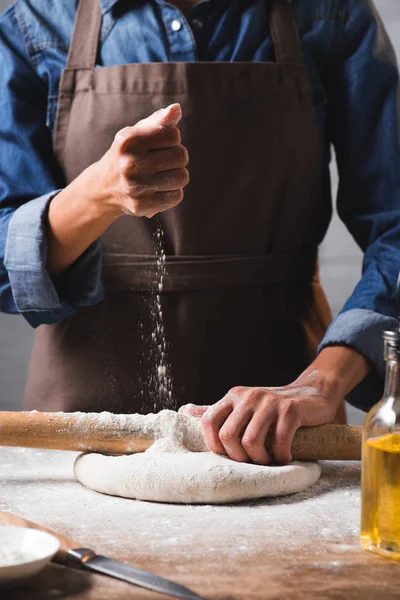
[[66, 543]]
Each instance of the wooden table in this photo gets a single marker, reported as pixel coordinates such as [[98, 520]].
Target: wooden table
[[297, 547]]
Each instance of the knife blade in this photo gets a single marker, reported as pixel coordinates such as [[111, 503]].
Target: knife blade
[[85, 558]]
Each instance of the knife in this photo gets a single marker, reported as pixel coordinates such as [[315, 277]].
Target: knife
[[70, 554]]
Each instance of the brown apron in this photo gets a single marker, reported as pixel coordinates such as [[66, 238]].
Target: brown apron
[[239, 298]]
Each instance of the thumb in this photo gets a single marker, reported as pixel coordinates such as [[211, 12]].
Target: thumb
[[166, 117], [193, 411]]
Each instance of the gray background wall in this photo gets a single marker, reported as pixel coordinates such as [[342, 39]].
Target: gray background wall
[[340, 270]]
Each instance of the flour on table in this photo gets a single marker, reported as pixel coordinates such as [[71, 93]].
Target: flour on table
[[177, 468]]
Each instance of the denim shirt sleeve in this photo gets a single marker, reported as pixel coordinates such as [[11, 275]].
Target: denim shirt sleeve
[[29, 179], [363, 103]]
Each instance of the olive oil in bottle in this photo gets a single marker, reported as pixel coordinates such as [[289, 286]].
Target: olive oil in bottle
[[380, 499]]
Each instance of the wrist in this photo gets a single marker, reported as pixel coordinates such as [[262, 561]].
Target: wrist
[[95, 197], [324, 381], [337, 370], [77, 216]]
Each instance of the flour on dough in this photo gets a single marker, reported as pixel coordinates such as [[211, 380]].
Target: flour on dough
[[170, 471]]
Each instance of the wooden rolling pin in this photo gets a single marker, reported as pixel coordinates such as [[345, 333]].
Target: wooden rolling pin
[[127, 434]]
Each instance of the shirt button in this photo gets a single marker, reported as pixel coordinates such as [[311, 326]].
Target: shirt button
[[197, 23], [176, 25]]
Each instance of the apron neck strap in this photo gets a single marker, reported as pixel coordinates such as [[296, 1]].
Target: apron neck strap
[[85, 37], [284, 32]]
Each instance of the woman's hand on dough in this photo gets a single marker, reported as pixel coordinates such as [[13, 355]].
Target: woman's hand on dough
[[144, 171], [238, 425]]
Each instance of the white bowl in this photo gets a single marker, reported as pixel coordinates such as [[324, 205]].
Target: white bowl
[[24, 552]]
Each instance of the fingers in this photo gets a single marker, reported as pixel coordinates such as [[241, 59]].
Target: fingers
[[145, 186], [166, 117], [254, 438], [231, 432], [146, 196], [141, 139], [160, 202], [165, 200], [168, 159], [169, 181], [239, 424], [286, 426], [156, 132], [212, 421]]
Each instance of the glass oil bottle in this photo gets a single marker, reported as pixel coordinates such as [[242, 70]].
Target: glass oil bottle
[[380, 486]]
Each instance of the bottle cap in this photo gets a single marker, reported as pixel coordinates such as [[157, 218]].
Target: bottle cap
[[392, 337], [392, 345]]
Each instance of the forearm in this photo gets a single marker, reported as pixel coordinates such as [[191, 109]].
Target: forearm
[[76, 218], [337, 370]]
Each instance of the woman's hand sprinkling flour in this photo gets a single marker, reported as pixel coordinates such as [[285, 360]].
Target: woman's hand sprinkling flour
[[238, 425], [143, 173]]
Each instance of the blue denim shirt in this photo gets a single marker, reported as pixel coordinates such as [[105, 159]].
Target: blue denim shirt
[[354, 81]]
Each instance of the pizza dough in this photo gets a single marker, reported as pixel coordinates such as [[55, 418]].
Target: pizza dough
[[176, 468]]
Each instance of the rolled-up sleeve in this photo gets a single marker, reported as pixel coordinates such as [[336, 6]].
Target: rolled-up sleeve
[[29, 179], [363, 104], [35, 293], [363, 331]]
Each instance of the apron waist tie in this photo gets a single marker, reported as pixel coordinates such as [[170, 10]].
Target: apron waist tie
[[127, 272]]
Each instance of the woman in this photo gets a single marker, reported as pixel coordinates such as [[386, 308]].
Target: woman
[[94, 143]]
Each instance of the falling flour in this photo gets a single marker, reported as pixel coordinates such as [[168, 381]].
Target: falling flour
[[169, 471], [160, 381]]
